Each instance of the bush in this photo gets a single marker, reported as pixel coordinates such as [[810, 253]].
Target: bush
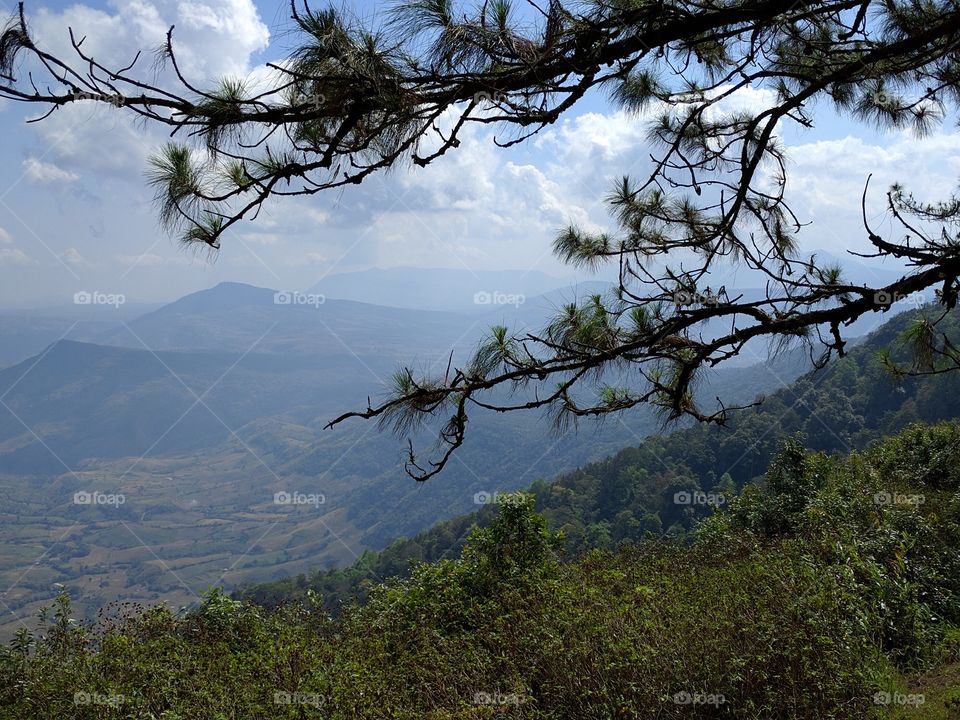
[[812, 592]]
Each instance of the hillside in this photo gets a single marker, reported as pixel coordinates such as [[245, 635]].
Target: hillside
[[25, 336], [233, 317], [828, 591], [198, 441], [631, 495]]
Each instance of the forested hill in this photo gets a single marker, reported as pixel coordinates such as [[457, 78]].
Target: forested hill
[[643, 490]]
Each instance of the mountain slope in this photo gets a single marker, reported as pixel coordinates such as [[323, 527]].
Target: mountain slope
[[233, 317], [634, 493], [198, 443], [810, 599], [80, 401]]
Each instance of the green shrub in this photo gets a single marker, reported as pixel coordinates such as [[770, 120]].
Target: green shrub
[[812, 592]]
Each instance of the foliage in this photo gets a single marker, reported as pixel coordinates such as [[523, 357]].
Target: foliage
[[809, 595], [357, 97]]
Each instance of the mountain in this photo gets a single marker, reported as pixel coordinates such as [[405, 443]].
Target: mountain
[[858, 272], [79, 401], [199, 441], [633, 494], [26, 336], [86, 306], [234, 317], [25, 332], [457, 289]]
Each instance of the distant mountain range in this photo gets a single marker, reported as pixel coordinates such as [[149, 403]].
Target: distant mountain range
[[198, 412], [446, 289], [459, 304]]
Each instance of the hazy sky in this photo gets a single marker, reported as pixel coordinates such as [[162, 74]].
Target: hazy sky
[[76, 214]]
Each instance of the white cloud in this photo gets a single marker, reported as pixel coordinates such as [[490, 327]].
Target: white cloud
[[43, 172], [73, 258], [14, 256], [582, 155], [478, 206], [827, 179], [596, 137], [548, 198], [212, 39], [745, 99]]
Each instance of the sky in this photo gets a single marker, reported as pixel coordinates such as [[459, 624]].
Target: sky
[[76, 213]]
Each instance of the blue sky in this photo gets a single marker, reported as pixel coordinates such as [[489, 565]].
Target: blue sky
[[75, 212]]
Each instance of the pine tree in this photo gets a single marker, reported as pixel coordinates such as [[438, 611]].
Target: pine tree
[[354, 100]]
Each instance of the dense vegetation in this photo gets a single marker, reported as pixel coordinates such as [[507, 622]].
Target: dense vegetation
[[631, 495], [790, 565], [813, 595]]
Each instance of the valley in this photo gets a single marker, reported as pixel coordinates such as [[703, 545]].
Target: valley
[[198, 412]]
